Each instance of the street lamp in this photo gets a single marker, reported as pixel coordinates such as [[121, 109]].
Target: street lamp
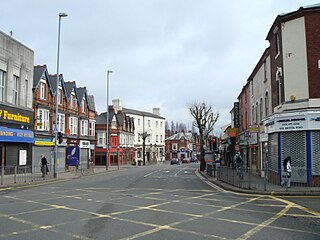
[[107, 137], [61, 15]]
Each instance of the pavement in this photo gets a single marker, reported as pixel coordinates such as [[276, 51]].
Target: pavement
[[274, 190]]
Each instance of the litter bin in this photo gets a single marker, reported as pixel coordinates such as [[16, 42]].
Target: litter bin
[[139, 162]]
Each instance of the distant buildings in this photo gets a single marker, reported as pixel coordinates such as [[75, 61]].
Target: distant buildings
[[126, 127]]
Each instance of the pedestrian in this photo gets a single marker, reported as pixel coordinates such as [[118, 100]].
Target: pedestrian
[[44, 165], [238, 163], [286, 178]]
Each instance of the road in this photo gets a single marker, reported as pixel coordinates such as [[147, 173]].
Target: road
[[152, 202]]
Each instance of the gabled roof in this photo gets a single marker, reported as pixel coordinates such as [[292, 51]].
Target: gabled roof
[[40, 72], [53, 80], [141, 113], [91, 104], [71, 86], [180, 136]]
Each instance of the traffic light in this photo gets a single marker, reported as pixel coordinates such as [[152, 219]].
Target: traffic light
[[60, 139], [214, 143]]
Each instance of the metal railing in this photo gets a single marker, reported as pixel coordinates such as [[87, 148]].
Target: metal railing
[[247, 178], [22, 174]]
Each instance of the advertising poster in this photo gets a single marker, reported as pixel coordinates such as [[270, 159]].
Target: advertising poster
[[73, 156]]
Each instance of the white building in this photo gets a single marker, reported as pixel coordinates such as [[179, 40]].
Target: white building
[[150, 124]]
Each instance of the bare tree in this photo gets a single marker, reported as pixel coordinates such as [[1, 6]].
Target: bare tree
[[204, 120]]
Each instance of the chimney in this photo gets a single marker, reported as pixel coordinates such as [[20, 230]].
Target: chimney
[[156, 111], [116, 105]]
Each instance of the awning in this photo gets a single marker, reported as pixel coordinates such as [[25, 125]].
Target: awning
[[16, 135]]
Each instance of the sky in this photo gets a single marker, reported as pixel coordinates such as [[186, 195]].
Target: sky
[[162, 53]]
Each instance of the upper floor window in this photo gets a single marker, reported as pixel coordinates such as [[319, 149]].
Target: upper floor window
[[15, 89], [83, 106], [43, 120], [156, 123], [92, 127], [2, 84], [161, 138], [261, 109], [266, 104], [42, 90], [174, 146], [61, 122], [138, 121], [161, 124], [277, 44], [149, 123], [73, 125], [73, 101], [252, 115], [60, 96], [157, 138], [257, 112], [84, 128], [101, 139]]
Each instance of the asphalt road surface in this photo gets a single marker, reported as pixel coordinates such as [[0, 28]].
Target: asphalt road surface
[[152, 202]]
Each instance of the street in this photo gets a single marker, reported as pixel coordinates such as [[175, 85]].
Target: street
[[152, 202]]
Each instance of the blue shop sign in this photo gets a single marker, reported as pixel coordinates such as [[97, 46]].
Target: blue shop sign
[[16, 135]]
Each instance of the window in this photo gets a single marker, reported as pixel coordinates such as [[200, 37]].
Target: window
[[265, 71], [277, 45], [26, 87], [156, 123], [15, 89], [266, 104], [261, 109], [59, 96], [149, 123], [2, 85], [73, 124], [61, 122], [156, 138], [174, 146], [43, 120], [257, 112], [161, 138], [84, 128], [139, 122], [252, 115], [92, 128], [101, 139], [73, 101], [83, 105], [42, 90]]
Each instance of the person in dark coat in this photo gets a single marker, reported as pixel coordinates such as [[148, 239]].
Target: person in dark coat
[[44, 165]]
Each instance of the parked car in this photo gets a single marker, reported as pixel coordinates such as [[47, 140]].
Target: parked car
[[185, 160], [174, 161], [193, 159]]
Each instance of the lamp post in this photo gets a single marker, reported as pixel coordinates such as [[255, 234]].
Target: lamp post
[[107, 137], [61, 15]]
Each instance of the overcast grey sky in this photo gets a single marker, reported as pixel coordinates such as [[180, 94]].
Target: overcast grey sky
[[163, 53]]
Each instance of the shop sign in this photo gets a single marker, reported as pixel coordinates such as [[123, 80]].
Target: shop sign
[[11, 114], [84, 144], [232, 132], [16, 135], [44, 142], [236, 115], [72, 156]]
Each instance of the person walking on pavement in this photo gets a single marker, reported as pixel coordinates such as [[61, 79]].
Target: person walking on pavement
[[238, 163], [44, 165], [286, 179]]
